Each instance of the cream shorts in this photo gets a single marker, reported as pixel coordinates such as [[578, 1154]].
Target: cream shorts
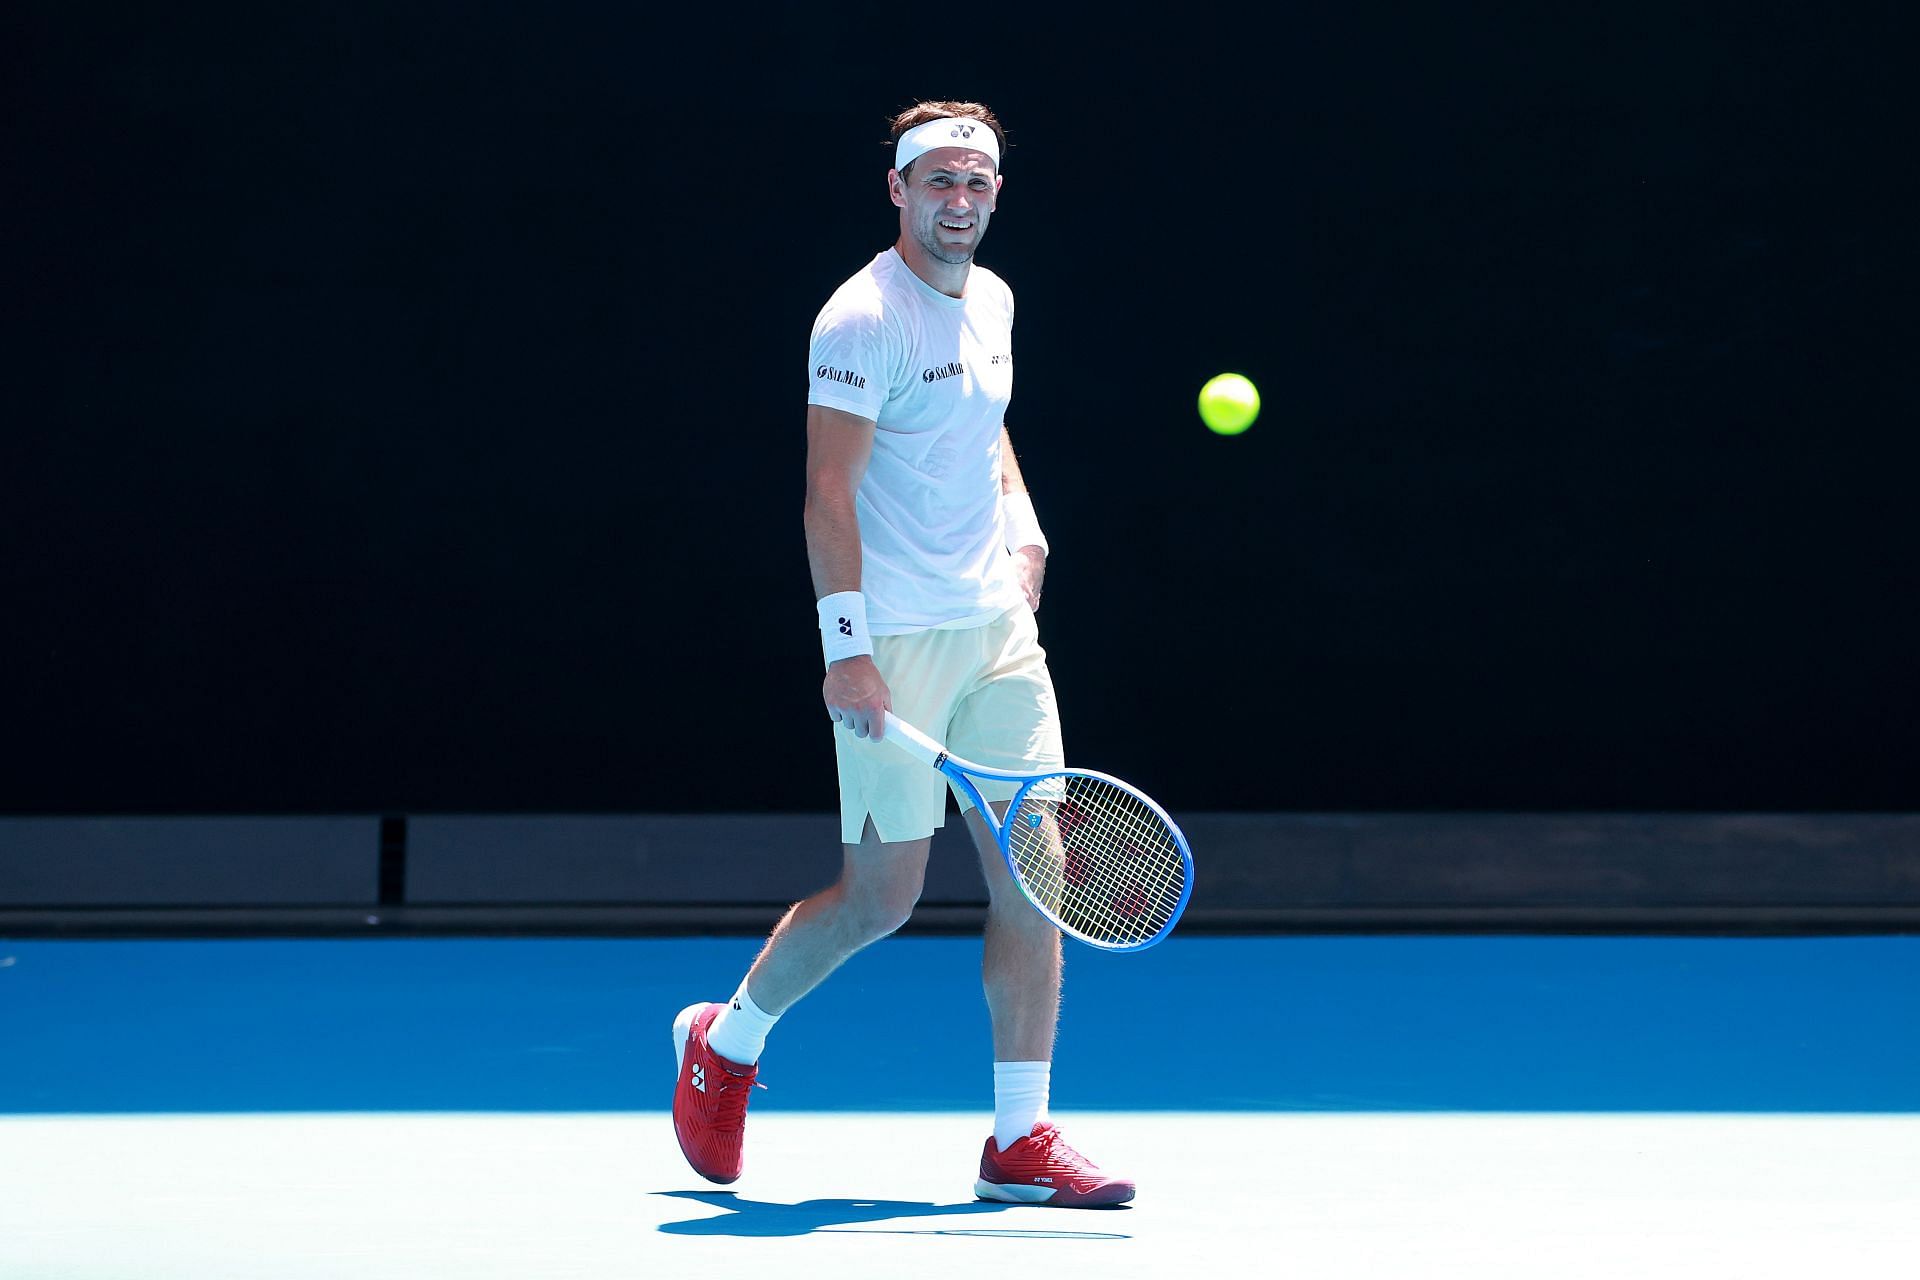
[[984, 692]]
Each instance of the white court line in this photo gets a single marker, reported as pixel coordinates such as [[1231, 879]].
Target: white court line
[[546, 1197]]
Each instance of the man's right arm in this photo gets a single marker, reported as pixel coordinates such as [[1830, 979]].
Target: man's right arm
[[839, 445]]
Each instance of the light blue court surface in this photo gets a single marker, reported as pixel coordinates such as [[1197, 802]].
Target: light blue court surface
[[1430, 1108], [1363, 1024]]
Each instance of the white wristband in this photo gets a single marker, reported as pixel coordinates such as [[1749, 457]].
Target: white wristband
[[843, 625], [1023, 526]]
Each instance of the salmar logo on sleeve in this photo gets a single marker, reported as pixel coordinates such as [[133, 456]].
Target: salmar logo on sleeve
[[846, 376], [942, 371]]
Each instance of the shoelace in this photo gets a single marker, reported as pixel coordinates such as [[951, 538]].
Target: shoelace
[[730, 1101], [1054, 1150]]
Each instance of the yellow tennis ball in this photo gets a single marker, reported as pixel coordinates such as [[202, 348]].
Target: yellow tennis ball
[[1229, 403]]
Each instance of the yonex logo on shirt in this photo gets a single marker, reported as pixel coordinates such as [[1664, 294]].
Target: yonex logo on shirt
[[943, 371], [847, 376]]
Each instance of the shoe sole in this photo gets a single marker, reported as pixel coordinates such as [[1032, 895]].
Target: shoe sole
[[1026, 1193]]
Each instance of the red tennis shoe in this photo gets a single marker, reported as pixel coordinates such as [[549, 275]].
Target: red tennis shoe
[[1042, 1169], [710, 1098]]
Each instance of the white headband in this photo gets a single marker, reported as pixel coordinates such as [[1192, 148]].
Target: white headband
[[949, 131]]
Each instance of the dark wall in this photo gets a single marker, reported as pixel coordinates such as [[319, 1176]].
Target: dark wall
[[403, 403]]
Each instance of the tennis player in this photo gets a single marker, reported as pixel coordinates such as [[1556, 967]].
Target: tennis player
[[927, 564]]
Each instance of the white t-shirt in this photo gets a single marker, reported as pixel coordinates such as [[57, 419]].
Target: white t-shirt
[[934, 374]]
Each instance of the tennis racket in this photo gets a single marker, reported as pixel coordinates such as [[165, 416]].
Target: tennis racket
[[1092, 854]]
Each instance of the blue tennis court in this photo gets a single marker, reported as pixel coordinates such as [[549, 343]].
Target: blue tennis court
[[1423, 1105], [1359, 1023]]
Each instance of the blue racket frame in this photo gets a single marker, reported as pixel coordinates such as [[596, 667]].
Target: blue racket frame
[[962, 773]]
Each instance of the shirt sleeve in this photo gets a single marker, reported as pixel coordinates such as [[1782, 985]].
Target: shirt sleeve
[[850, 360]]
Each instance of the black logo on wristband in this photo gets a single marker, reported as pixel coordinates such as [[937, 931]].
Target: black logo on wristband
[[846, 626]]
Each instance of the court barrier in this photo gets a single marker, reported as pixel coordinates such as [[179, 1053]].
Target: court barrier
[[725, 873]]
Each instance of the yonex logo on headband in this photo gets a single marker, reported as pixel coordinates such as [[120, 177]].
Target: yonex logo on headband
[[923, 138]]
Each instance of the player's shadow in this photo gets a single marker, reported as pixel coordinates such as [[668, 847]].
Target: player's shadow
[[770, 1218]]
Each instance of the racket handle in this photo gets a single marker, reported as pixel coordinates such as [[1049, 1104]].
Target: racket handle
[[912, 741]]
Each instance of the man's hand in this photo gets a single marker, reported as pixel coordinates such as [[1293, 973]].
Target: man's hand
[[1030, 567], [857, 696]]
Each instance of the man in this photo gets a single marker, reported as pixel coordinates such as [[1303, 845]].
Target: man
[[927, 564]]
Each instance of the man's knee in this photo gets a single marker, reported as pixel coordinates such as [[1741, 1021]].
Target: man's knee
[[884, 915], [881, 892]]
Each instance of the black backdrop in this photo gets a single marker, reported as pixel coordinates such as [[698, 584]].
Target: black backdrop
[[403, 403]]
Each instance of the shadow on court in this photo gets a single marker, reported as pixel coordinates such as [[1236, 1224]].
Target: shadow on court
[[770, 1218]]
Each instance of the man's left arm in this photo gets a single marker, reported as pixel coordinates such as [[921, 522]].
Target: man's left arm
[[1024, 539]]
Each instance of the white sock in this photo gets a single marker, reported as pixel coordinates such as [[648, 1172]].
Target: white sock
[[1019, 1099], [739, 1032]]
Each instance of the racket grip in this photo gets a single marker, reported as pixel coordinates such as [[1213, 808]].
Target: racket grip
[[912, 741]]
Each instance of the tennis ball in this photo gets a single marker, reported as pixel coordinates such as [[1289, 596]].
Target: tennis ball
[[1229, 403]]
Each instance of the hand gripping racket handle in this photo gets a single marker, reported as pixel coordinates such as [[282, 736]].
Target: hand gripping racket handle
[[913, 742]]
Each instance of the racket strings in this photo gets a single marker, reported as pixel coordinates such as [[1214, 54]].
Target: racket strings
[[1101, 860]]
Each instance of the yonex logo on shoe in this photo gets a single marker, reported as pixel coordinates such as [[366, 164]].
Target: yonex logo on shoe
[[700, 1077]]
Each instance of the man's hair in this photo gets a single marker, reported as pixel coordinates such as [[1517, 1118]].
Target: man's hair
[[921, 112]]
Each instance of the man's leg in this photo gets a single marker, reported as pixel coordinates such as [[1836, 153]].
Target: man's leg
[[1026, 1161], [878, 885], [1020, 963], [718, 1046]]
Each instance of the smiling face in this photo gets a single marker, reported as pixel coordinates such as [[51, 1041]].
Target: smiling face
[[945, 200]]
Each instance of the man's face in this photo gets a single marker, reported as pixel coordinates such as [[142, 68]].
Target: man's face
[[946, 200]]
